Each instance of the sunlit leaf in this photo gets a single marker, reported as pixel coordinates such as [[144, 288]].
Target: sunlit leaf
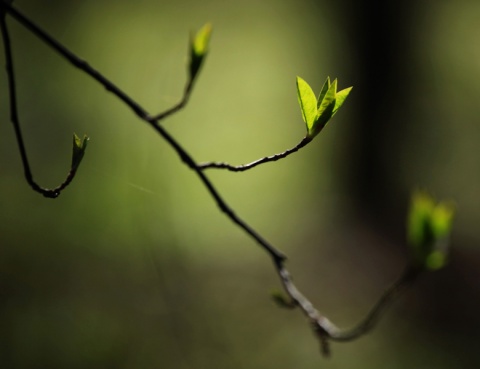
[[325, 107], [328, 99], [322, 119], [323, 91], [341, 96], [308, 103]]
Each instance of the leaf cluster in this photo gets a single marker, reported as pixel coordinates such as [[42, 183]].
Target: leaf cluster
[[317, 112], [428, 229]]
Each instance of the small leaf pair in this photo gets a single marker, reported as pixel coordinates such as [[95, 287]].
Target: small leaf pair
[[79, 147], [317, 113], [199, 49], [429, 227]]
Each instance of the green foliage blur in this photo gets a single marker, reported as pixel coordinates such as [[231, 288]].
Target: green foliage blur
[[133, 266], [429, 227]]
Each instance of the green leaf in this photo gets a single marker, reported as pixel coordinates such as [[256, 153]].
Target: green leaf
[[329, 101], [199, 48], [322, 120], [340, 99], [429, 227], [308, 103], [79, 147], [325, 110], [324, 90], [442, 218]]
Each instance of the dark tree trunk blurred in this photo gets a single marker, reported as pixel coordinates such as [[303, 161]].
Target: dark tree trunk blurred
[[378, 32]]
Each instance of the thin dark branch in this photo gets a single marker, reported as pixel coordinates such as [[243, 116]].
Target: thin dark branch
[[153, 121], [14, 117], [408, 277], [13, 96], [179, 106], [243, 167], [324, 329], [73, 59], [301, 301]]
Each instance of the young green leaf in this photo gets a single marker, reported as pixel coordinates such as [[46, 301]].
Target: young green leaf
[[199, 49], [201, 40], [308, 103], [429, 226], [317, 113], [325, 109], [324, 90], [79, 147], [328, 99], [340, 99]]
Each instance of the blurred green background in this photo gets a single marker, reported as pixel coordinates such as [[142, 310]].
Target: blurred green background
[[133, 266]]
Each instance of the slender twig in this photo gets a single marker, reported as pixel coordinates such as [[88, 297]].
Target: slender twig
[[243, 167], [409, 275], [142, 114], [322, 326], [73, 59], [14, 117], [180, 105]]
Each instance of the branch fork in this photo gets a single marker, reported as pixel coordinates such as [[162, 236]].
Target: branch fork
[[316, 112]]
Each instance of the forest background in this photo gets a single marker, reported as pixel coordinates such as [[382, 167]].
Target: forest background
[[133, 266]]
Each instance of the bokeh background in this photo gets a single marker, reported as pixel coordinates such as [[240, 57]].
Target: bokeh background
[[133, 266]]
